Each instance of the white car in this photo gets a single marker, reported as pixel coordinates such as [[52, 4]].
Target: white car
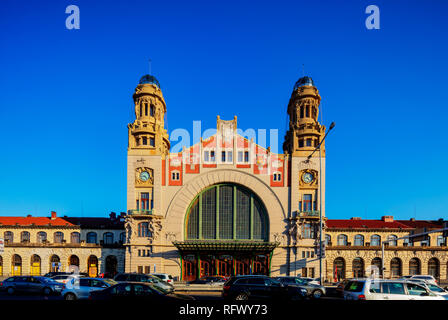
[[426, 278], [432, 287], [379, 289], [64, 278], [165, 277]]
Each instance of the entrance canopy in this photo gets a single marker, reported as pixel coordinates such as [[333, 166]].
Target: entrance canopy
[[217, 245]]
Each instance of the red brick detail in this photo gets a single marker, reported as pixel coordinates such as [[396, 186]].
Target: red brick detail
[[261, 161], [243, 165], [175, 165]]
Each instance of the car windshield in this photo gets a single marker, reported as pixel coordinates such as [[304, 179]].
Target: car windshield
[[354, 286], [159, 290], [435, 288]]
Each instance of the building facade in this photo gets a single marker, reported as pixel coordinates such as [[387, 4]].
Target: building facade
[[38, 245], [225, 205]]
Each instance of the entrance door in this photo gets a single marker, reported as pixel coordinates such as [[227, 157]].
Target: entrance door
[[93, 266], [260, 265], [189, 269], [242, 267], [225, 266]]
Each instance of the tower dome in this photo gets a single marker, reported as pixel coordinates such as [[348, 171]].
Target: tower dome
[[150, 80], [304, 81]]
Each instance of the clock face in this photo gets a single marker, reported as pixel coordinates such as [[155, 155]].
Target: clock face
[[144, 176], [307, 177]]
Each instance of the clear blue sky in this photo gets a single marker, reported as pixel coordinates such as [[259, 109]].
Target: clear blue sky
[[66, 95]]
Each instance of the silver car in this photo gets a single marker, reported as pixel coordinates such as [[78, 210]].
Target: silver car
[[313, 290], [80, 288]]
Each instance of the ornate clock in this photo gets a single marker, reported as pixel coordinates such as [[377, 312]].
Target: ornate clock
[[144, 176], [307, 177]]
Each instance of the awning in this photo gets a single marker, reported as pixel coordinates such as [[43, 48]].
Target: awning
[[223, 245]]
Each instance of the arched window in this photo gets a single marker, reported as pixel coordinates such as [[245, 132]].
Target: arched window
[[16, 265], [414, 266], [75, 237], [9, 237], [440, 241], [41, 237], [377, 263], [392, 240], [55, 263], [92, 266], [91, 237], [58, 237], [35, 265], [339, 269], [108, 238], [395, 268], [358, 268], [375, 240], [327, 239], [359, 240], [434, 268], [152, 111], [123, 237], [342, 240], [143, 229], [25, 237], [232, 210], [1, 265]]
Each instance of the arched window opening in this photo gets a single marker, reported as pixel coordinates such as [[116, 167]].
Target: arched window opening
[[25, 237], [359, 240], [75, 237], [358, 268], [395, 268], [414, 267], [342, 240], [108, 238], [375, 240], [339, 269], [91, 237]]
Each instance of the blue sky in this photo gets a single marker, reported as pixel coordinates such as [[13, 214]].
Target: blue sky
[[66, 95]]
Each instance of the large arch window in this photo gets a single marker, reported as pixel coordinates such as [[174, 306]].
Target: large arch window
[[227, 211], [358, 268], [41, 237], [9, 237], [377, 262], [339, 269], [25, 237], [108, 238], [395, 268], [434, 268], [359, 240], [414, 266], [75, 237], [392, 240], [91, 237], [58, 237]]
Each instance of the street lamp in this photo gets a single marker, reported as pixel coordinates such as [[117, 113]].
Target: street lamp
[[332, 125]]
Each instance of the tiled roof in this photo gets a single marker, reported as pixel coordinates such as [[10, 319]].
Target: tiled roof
[[37, 221], [96, 223], [423, 224], [365, 224]]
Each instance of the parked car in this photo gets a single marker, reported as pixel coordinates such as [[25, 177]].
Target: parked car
[[140, 277], [64, 278], [257, 287], [311, 280], [81, 287], [431, 287], [312, 290], [340, 287], [31, 284], [164, 276], [136, 291], [53, 274], [378, 289], [215, 280], [426, 278]]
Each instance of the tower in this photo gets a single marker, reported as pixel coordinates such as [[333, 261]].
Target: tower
[[307, 177]]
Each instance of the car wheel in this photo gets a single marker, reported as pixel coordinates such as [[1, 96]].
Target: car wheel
[[10, 291], [241, 297], [317, 294], [46, 291], [70, 296]]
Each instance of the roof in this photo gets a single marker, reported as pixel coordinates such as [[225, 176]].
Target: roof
[[365, 224], [96, 222], [36, 221], [430, 224]]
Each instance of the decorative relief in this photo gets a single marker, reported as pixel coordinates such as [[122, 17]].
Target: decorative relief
[[144, 177], [308, 178], [280, 238]]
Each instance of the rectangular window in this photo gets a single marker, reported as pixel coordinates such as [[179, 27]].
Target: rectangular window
[[145, 200], [139, 253], [312, 273], [229, 156], [308, 142], [300, 206], [147, 269], [225, 212], [246, 156], [223, 156], [304, 273], [307, 202], [303, 254], [146, 109], [175, 176], [152, 142], [306, 231], [300, 143], [240, 156], [206, 156], [140, 269], [212, 156], [144, 141]]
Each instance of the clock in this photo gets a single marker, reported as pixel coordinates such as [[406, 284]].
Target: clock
[[144, 175], [307, 177]]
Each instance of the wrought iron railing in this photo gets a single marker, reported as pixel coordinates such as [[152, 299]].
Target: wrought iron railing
[[141, 212]]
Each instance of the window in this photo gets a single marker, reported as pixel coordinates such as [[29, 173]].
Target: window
[[151, 111], [212, 156], [41, 237], [91, 237], [415, 289], [144, 141], [240, 156], [307, 198], [123, 237], [175, 176], [141, 110], [246, 156], [108, 238], [359, 240], [9, 237], [223, 156], [308, 142], [395, 268], [392, 240], [144, 197], [229, 156], [300, 143], [307, 231], [277, 177], [342, 240], [414, 266], [146, 108], [58, 237], [75, 237], [375, 240], [327, 240], [206, 156], [143, 229], [25, 237], [152, 142], [440, 241], [392, 287], [232, 210]]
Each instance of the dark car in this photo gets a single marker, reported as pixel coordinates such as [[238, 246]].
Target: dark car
[[136, 291], [141, 277], [314, 291], [208, 280], [258, 287], [31, 284]]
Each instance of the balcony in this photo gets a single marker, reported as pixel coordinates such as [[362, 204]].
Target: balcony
[[308, 214], [139, 212]]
